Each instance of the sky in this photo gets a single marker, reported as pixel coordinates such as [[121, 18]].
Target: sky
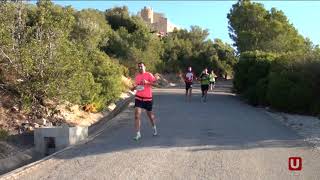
[[212, 15]]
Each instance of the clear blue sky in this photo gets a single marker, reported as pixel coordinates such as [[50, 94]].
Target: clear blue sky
[[212, 15]]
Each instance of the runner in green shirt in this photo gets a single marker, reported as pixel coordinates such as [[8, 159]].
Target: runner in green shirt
[[204, 81], [212, 79]]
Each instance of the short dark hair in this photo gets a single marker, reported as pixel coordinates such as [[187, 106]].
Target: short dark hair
[[141, 63]]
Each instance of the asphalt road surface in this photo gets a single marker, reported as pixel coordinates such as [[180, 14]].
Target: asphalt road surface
[[221, 139]]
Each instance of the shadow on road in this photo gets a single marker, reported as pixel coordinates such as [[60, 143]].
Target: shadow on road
[[223, 123]]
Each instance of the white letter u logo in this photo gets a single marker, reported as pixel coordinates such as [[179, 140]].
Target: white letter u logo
[[294, 163]]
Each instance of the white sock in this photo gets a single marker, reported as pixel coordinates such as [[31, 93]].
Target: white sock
[[138, 133], [155, 130]]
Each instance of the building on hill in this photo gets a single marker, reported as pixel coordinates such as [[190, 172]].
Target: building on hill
[[157, 21]]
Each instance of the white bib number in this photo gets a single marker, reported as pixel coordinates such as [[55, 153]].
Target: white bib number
[[140, 88]]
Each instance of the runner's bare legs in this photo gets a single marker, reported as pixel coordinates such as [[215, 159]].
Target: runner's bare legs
[[152, 121], [190, 93], [151, 118], [187, 92], [137, 119], [205, 95]]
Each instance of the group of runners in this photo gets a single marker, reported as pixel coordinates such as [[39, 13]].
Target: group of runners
[[206, 80], [143, 98]]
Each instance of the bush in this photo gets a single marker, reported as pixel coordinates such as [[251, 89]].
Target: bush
[[300, 98], [261, 90], [251, 67], [258, 70], [251, 95], [108, 75], [288, 82], [278, 91], [292, 87], [312, 75], [256, 94], [59, 56], [287, 95], [3, 134], [241, 75]]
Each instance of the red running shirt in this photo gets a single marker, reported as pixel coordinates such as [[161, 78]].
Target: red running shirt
[[144, 93]]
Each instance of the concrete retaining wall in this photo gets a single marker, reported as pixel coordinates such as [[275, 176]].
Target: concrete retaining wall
[[61, 136]]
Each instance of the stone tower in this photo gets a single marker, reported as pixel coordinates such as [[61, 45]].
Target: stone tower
[[157, 21], [147, 14]]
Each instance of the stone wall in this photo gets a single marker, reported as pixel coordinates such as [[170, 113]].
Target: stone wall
[[158, 21]]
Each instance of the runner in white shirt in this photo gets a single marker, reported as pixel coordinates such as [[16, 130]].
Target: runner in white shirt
[[188, 79]]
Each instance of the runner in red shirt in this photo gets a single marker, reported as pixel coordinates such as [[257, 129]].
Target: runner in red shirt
[[143, 99], [188, 78]]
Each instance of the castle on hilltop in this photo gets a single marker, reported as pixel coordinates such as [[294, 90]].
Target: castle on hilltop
[[157, 21]]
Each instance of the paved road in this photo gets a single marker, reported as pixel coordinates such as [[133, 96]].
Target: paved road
[[222, 139]]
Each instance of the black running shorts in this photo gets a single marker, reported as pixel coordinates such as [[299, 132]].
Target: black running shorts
[[204, 87], [188, 85], [147, 105]]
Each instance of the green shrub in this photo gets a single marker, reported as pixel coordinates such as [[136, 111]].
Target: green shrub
[[3, 134], [251, 67], [257, 71], [241, 75], [251, 95], [311, 73], [286, 82], [290, 90], [300, 98], [261, 91], [278, 91]]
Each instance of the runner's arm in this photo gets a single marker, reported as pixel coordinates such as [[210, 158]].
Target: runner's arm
[[185, 78], [134, 86], [146, 82], [151, 80]]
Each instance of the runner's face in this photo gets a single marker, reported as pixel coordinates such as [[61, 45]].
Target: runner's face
[[141, 68], [189, 69]]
